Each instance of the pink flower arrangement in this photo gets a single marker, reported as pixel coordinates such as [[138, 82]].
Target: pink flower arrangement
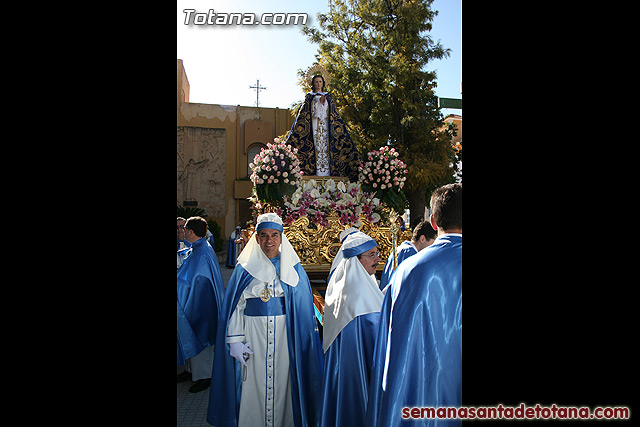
[[383, 170], [277, 163]]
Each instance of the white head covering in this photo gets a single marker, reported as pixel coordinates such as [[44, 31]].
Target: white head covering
[[351, 290], [343, 235], [253, 259]]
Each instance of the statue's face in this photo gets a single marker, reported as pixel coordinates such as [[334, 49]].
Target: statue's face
[[269, 241], [317, 84]]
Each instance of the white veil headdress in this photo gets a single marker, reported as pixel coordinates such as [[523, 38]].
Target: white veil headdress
[[351, 291], [253, 259]]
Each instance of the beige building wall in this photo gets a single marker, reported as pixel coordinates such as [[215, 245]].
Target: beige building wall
[[212, 145]]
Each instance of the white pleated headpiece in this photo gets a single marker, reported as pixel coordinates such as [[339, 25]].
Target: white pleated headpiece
[[351, 291]]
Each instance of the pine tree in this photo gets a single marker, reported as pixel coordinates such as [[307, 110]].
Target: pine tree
[[376, 52]]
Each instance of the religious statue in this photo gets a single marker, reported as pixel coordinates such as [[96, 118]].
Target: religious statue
[[320, 135]]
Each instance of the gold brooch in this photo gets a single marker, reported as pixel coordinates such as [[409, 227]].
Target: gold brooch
[[265, 295]]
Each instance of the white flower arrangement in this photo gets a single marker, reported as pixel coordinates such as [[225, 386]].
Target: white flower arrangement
[[318, 200]]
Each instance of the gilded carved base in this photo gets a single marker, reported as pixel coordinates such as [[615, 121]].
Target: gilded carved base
[[317, 247]]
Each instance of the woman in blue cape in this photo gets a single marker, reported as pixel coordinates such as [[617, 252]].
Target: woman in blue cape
[[350, 324], [267, 367], [320, 135]]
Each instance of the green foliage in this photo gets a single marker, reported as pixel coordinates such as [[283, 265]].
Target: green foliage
[[216, 230], [186, 212], [274, 193], [377, 52], [391, 197]]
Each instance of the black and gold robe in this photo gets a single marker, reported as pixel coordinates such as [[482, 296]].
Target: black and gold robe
[[344, 158]]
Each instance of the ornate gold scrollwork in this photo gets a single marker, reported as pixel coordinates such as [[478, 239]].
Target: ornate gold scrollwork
[[317, 247]]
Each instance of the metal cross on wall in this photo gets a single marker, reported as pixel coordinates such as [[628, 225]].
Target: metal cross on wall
[[257, 87]]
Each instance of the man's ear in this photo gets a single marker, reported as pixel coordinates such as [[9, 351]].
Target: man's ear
[[433, 222]]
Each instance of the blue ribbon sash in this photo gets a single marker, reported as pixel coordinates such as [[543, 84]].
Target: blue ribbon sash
[[257, 307]]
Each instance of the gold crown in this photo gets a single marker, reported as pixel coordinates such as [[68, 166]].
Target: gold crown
[[317, 70]]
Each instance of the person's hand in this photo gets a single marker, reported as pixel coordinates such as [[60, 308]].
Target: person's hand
[[237, 349]]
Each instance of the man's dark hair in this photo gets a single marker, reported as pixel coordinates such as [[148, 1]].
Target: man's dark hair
[[425, 229], [446, 206], [198, 225]]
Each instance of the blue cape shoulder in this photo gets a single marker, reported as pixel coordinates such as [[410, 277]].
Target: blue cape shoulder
[[200, 290]]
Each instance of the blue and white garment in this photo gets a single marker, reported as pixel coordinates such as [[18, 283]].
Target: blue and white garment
[[351, 317], [279, 387]]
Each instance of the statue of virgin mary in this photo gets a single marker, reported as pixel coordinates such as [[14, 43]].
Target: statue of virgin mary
[[320, 135]]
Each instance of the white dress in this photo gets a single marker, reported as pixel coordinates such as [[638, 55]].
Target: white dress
[[320, 124], [266, 391]]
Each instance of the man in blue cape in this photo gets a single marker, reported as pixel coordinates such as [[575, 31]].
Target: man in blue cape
[[339, 155], [418, 355], [351, 317], [233, 248], [268, 364], [423, 236], [200, 293]]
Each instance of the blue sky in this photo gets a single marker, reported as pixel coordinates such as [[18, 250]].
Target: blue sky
[[223, 61]]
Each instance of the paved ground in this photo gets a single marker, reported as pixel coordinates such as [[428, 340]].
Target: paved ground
[[192, 407]]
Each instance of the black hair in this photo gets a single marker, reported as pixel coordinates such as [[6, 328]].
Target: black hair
[[424, 228], [446, 206], [198, 225]]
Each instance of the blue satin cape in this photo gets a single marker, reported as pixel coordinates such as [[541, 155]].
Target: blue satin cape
[[231, 252], [424, 351], [305, 354], [347, 371], [344, 158], [406, 250], [200, 293]]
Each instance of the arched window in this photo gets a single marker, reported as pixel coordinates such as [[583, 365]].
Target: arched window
[[253, 150]]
